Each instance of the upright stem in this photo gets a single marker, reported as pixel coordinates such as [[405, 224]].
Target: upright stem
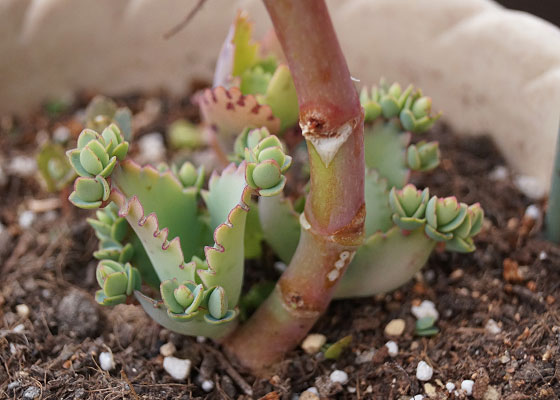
[[553, 211], [332, 224]]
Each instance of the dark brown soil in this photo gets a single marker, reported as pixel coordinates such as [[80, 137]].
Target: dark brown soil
[[512, 278]]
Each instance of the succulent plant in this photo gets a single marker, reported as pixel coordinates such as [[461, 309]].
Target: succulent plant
[[252, 88], [358, 228], [102, 112]]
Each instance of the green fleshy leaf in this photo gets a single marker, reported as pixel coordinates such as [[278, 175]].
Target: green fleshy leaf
[[229, 316], [385, 262], [378, 212], [246, 51], [115, 284], [437, 235], [280, 225], [275, 190], [266, 174], [54, 167], [167, 290], [334, 351], [218, 303], [86, 136], [89, 189], [90, 161], [104, 300], [197, 326], [183, 295], [281, 96], [227, 200], [253, 233], [78, 202], [123, 118], [182, 134], [385, 151], [254, 81], [460, 245], [155, 221]]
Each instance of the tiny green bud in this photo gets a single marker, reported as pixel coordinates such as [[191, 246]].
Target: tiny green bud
[[266, 174], [188, 174], [218, 303]]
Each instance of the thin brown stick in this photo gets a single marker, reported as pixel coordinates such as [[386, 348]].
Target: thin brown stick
[[181, 25]]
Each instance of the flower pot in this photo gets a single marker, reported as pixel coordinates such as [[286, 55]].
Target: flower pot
[[491, 70]]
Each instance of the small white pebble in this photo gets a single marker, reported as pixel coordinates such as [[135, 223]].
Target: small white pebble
[[450, 386], [530, 187], [13, 349], [365, 356], [313, 343], [499, 173], [201, 339], [351, 389], [22, 310], [467, 386], [426, 309], [339, 376], [424, 372], [23, 166], [18, 328], [543, 255], [152, 149], [61, 134], [207, 385], [168, 349], [533, 212], [26, 219], [179, 369], [492, 327], [417, 397], [106, 361], [393, 348], [395, 327]]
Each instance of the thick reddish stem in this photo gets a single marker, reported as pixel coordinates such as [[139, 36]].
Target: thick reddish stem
[[328, 101], [332, 225]]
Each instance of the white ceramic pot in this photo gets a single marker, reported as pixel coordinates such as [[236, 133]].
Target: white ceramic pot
[[489, 69]]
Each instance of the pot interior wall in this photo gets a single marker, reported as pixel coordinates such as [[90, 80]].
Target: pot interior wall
[[489, 69]]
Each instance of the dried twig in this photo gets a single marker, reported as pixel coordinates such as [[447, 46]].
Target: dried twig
[[177, 28], [232, 372]]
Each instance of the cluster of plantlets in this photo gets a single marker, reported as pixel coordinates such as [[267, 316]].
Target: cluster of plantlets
[[363, 229]]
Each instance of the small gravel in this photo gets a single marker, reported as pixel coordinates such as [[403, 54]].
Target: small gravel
[[339, 376], [467, 386], [395, 327], [424, 372], [450, 386], [179, 369], [32, 392], [168, 349], [393, 348], [313, 343], [533, 212], [106, 361], [207, 385], [492, 327], [426, 309]]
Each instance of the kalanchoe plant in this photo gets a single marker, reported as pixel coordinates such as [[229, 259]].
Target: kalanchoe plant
[[363, 230]]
